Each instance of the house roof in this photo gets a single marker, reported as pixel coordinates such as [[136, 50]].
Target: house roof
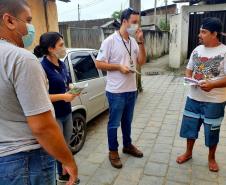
[[87, 23], [144, 12], [66, 1], [197, 1]]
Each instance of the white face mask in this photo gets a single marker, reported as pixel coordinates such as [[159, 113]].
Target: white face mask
[[132, 29], [60, 53]]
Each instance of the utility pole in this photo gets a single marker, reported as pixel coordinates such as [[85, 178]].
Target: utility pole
[[166, 9], [78, 12], [136, 5], [155, 12]]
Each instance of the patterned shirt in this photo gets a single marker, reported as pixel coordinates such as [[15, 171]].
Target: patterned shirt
[[208, 64]]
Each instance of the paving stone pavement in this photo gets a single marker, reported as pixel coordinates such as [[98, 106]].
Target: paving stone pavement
[[155, 131]]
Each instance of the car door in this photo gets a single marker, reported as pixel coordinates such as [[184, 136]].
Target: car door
[[93, 97], [103, 75]]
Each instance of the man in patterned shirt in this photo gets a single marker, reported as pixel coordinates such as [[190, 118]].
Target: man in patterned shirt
[[207, 99]]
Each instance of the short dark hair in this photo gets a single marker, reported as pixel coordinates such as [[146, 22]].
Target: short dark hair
[[213, 24], [127, 13], [46, 41], [13, 7]]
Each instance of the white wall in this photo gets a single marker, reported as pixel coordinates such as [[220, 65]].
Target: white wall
[[175, 41], [156, 43]]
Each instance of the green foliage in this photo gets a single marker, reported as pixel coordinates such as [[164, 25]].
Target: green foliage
[[163, 26], [116, 14]]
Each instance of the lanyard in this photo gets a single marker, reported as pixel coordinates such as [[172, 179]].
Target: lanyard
[[128, 50], [63, 77]]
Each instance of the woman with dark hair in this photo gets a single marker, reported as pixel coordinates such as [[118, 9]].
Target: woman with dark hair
[[51, 48]]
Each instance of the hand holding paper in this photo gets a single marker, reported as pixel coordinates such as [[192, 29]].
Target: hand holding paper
[[77, 89], [191, 81], [134, 70]]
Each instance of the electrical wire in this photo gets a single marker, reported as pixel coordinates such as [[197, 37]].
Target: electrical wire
[[93, 3]]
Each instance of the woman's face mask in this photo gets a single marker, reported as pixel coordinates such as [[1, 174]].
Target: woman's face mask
[[60, 52]]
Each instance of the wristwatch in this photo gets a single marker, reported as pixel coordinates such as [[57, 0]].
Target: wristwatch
[[140, 43]]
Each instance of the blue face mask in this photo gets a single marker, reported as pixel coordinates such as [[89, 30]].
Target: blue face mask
[[29, 38]]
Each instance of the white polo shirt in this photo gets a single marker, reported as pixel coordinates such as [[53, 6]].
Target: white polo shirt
[[113, 51]]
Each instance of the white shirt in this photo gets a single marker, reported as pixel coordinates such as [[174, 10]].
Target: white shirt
[[208, 63], [113, 51]]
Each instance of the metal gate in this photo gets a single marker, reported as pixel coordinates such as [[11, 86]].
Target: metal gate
[[194, 27]]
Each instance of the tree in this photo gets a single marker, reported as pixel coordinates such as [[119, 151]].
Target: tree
[[116, 14]]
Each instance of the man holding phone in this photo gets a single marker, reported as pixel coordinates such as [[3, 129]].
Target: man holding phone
[[119, 54]]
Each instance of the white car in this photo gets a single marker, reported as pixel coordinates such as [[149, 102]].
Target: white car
[[92, 101]]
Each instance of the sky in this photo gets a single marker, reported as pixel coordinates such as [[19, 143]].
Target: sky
[[96, 9]]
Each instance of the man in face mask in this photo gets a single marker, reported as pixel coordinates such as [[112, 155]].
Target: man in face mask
[[28, 129], [119, 54]]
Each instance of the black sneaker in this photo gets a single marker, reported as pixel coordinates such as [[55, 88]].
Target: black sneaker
[[65, 178]]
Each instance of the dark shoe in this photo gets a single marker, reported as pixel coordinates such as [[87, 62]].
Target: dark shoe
[[132, 150], [65, 178], [115, 159]]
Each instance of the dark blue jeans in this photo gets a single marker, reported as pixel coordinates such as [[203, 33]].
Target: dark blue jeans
[[121, 107], [35, 167], [66, 125]]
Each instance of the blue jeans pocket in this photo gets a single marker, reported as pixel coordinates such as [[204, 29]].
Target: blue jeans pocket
[[13, 172], [47, 161], [42, 169]]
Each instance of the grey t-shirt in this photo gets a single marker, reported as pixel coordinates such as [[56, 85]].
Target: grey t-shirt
[[23, 93]]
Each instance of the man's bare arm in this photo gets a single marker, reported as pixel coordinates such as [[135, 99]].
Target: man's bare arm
[[107, 67], [221, 83], [111, 67], [208, 85], [46, 130], [188, 73], [142, 55]]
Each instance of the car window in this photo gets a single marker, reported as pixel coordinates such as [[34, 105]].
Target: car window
[[103, 72], [83, 66]]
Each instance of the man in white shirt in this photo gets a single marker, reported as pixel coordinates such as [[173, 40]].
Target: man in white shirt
[[119, 55], [206, 101]]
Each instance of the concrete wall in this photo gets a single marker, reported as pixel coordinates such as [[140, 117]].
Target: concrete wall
[[171, 9], [175, 57], [85, 38], [39, 19], [148, 20], [181, 21], [156, 43]]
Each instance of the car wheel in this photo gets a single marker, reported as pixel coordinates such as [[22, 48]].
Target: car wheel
[[79, 133]]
